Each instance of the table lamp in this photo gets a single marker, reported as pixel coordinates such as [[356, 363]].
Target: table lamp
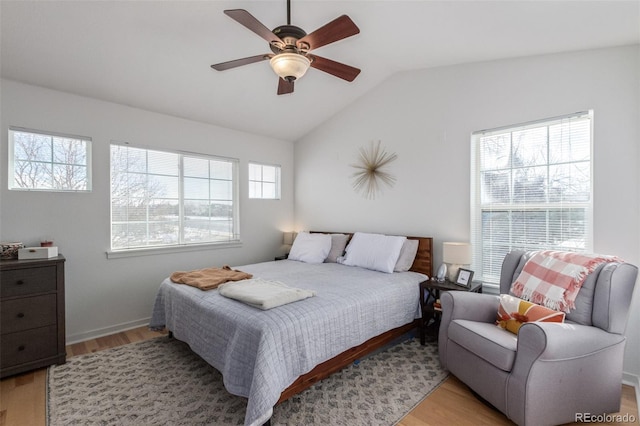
[[456, 256]]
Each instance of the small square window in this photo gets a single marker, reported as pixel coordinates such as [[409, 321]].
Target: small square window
[[264, 181]]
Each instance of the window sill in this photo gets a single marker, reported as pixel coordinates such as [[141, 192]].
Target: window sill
[[490, 288], [151, 251]]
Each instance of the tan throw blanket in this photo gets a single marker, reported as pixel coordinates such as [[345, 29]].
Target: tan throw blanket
[[264, 294], [553, 278], [209, 278]]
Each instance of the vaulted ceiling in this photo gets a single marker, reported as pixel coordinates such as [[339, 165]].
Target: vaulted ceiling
[[156, 55]]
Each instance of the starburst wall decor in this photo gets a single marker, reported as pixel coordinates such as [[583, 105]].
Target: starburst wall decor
[[370, 174]]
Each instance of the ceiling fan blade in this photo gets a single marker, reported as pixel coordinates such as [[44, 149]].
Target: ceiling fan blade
[[239, 62], [284, 86], [337, 69], [335, 30], [249, 21]]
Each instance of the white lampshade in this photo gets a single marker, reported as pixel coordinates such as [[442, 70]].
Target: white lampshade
[[290, 66], [456, 253]]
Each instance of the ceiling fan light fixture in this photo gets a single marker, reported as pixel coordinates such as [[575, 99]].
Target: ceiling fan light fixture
[[290, 66], [291, 46]]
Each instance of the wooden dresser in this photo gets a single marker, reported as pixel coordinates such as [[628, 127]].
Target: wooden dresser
[[32, 314]]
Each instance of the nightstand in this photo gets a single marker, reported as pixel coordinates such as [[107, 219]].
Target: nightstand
[[429, 293]]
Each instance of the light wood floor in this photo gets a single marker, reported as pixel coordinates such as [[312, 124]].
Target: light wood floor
[[22, 397]]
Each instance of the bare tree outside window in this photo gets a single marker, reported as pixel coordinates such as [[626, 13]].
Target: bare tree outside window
[[48, 162], [532, 186]]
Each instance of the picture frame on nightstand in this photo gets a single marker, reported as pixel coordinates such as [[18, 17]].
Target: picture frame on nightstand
[[464, 277]]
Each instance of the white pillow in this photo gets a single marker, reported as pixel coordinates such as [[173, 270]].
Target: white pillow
[[338, 243], [310, 248], [374, 251], [407, 256]]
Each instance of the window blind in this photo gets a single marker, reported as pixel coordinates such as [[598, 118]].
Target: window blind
[[162, 198], [531, 189]]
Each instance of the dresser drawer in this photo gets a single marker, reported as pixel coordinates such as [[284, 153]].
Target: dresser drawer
[[27, 312], [19, 282], [26, 346]]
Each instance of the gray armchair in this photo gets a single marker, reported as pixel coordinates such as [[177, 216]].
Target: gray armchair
[[549, 372]]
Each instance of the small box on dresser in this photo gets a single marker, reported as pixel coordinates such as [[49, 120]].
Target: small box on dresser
[[37, 252], [32, 326]]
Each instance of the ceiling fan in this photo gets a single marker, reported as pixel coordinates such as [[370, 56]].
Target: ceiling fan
[[291, 46]]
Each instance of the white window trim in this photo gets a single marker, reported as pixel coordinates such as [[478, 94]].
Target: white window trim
[[151, 251]]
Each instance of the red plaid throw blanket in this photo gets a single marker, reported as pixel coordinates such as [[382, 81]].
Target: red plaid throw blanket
[[553, 278]]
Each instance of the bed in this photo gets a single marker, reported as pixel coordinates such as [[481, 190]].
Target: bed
[[270, 355]]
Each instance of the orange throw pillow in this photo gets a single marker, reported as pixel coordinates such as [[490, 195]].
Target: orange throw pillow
[[514, 312]]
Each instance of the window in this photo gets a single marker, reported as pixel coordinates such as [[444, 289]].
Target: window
[[531, 189], [42, 161], [161, 198], [264, 181]]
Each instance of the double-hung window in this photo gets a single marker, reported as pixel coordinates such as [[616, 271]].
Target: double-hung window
[[164, 198], [44, 161], [531, 189]]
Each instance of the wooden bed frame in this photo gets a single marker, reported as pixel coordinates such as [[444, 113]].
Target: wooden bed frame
[[423, 263]]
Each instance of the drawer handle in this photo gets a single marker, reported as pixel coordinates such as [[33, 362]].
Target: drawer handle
[[21, 348], [20, 315], [19, 282]]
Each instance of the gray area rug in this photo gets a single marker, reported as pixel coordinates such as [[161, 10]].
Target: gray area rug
[[161, 382]]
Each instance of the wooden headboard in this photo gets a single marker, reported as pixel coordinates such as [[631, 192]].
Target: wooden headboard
[[423, 262], [424, 258]]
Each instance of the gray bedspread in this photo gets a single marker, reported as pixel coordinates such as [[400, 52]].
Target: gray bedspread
[[261, 353]]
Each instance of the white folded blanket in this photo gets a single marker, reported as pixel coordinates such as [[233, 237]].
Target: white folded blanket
[[263, 294]]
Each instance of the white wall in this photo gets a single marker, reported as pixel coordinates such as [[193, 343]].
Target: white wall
[[103, 295], [426, 117]]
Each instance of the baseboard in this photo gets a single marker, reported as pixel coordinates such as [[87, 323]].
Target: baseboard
[[101, 332], [632, 380]]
